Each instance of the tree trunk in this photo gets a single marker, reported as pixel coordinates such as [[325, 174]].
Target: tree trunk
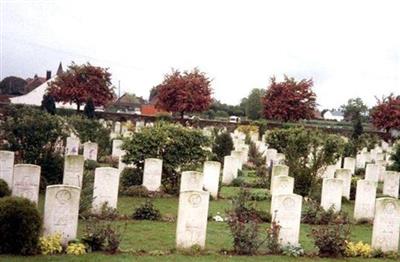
[[182, 115], [78, 106]]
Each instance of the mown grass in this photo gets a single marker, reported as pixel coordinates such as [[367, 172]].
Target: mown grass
[[143, 237]]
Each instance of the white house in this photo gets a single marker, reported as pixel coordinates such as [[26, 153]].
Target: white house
[[334, 115]]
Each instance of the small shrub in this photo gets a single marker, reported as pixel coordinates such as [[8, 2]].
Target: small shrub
[[76, 249], [259, 196], [243, 222], [358, 249], [293, 251], [238, 182], [131, 177], [146, 212], [20, 226], [223, 145], [262, 173], [4, 189], [91, 164], [273, 245], [353, 187], [106, 213], [331, 240], [113, 238], [314, 214], [136, 191], [50, 245], [86, 199], [52, 166]]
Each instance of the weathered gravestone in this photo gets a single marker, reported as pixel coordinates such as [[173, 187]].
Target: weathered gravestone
[[73, 170], [280, 170], [345, 175], [385, 231], [364, 207], [372, 172], [280, 185], [152, 174], [192, 219], [331, 196], [211, 171], [26, 181], [350, 163], [105, 188], [270, 155], [329, 171], [279, 159], [288, 215], [191, 181], [90, 151], [61, 210], [391, 183], [7, 167], [230, 171], [72, 147], [239, 155], [116, 148]]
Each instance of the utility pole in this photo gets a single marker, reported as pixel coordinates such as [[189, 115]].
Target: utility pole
[[119, 88]]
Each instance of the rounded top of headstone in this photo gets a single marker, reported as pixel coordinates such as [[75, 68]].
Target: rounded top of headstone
[[27, 166], [6, 152], [333, 180], [63, 187], [154, 160], [343, 171], [192, 173], [212, 163]]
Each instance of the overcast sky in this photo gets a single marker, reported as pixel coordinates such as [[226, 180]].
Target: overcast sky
[[349, 48]]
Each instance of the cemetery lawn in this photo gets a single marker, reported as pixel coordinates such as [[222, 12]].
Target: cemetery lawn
[[153, 241]]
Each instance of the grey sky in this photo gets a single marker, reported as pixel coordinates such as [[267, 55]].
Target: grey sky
[[349, 48]]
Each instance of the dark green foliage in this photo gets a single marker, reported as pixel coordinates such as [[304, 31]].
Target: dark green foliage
[[146, 211], [100, 236], [223, 145], [12, 85], [31, 132], [238, 182], [360, 172], [52, 166], [353, 187], [243, 223], [85, 203], [357, 128], [136, 191], [91, 130], [395, 157], [331, 239], [131, 176], [314, 214], [49, 104], [253, 104], [20, 226], [255, 157], [4, 189], [177, 146], [89, 109], [298, 144], [91, 164]]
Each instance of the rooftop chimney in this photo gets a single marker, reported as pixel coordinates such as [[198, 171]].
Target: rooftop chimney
[[48, 75]]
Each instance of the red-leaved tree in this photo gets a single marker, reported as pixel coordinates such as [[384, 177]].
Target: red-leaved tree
[[289, 100], [81, 82], [386, 114], [186, 92]]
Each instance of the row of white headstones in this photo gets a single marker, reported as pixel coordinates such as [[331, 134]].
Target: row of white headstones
[[62, 201]]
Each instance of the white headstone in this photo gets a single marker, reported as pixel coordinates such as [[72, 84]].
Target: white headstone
[[372, 172], [192, 219], [287, 214], [329, 171], [280, 170], [364, 207], [270, 155], [191, 181], [239, 156], [331, 195], [61, 210], [7, 167], [73, 170], [385, 232], [26, 182], [350, 163], [105, 188], [211, 171], [345, 175], [90, 151], [230, 171], [282, 185], [117, 127], [279, 159], [152, 174], [72, 147], [391, 183], [116, 148]]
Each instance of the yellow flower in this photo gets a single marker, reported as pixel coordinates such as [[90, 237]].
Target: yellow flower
[[50, 245], [76, 249]]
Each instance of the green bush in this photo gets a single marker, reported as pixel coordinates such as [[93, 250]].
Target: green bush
[[91, 164], [306, 151], [85, 203], [136, 191], [131, 176], [223, 145], [314, 214], [395, 157], [243, 222], [106, 213], [146, 211], [31, 133], [255, 157], [331, 240], [238, 182], [52, 166], [20, 226], [4, 189], [177, 146], [91, 130], [353, 187]]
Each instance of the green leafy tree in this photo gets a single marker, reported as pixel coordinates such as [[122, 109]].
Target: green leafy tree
[[254, 105], [178, 147], [49, 104], [355, 108], [223, 145], [306, 151]]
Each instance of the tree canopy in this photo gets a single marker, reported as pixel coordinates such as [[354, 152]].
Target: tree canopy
[[354, 108], [386, 114]]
